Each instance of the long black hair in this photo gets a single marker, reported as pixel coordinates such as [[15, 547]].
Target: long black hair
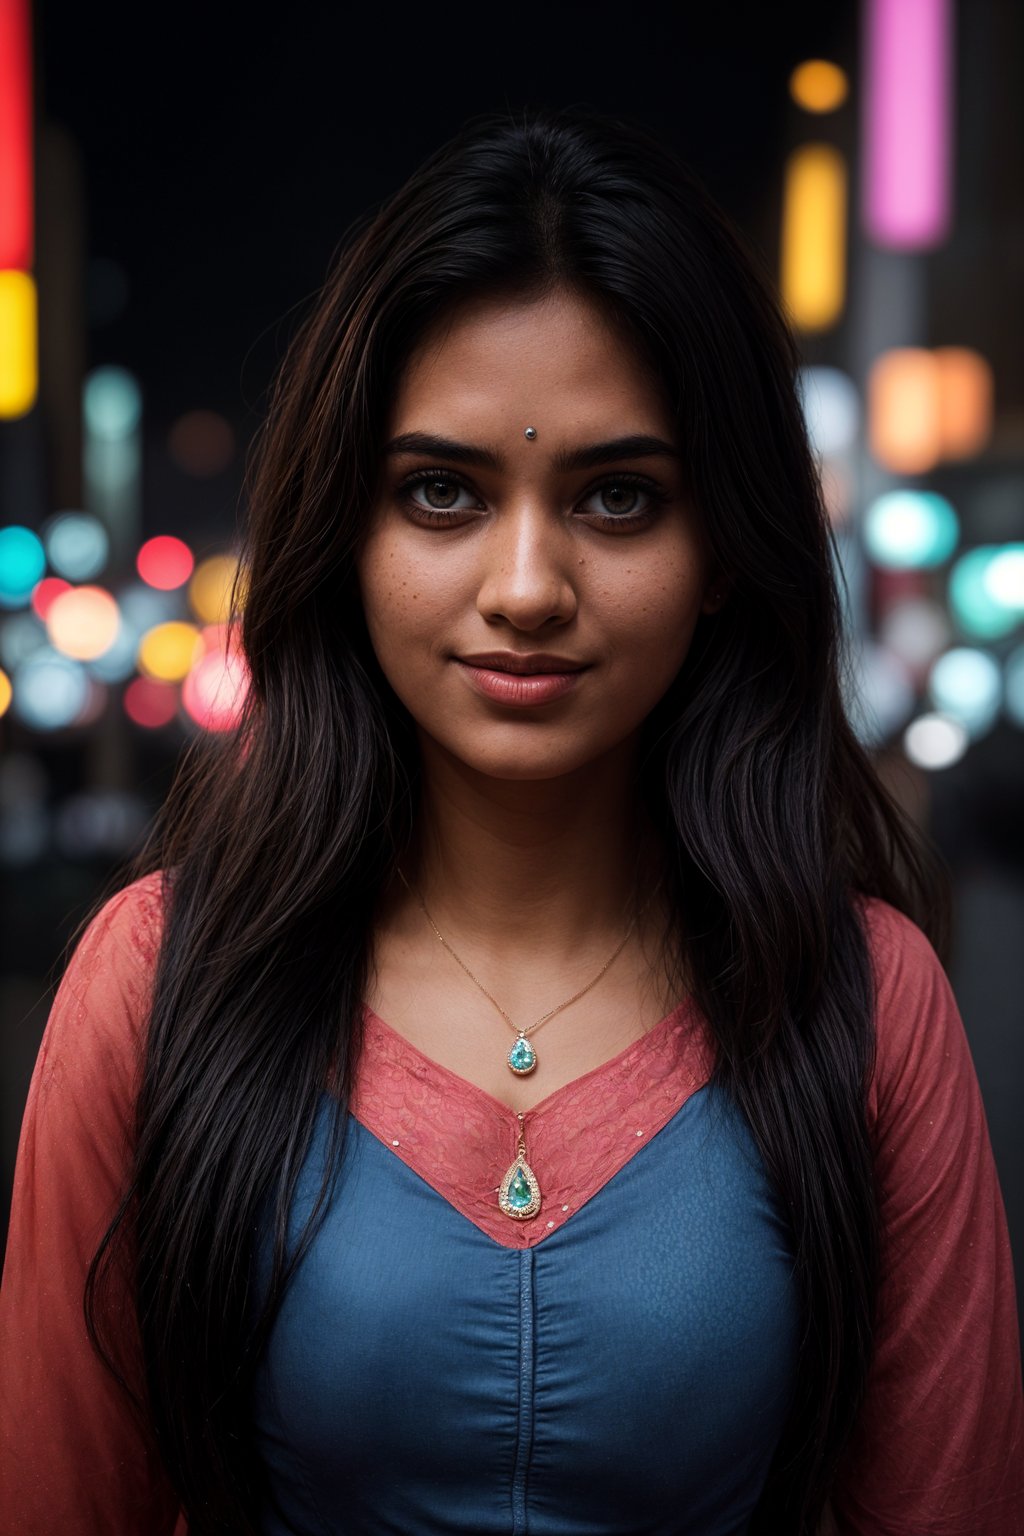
[[276, 838]]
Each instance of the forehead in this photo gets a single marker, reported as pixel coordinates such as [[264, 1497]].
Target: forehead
[[558, 359]]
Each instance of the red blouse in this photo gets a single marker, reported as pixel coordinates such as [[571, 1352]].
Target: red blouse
[[939, 1444]]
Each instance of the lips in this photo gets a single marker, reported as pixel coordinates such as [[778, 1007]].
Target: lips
[[521, 680], [523, 664]]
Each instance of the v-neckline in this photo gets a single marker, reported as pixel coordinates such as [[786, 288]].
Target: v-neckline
[[460, 1139], [650, 1036]]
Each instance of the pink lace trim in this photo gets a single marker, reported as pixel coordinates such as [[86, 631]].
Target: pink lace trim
[[461, 1140]]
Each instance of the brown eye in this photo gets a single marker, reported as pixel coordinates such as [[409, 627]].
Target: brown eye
[[440, 492], [619, 498], [624, 501]]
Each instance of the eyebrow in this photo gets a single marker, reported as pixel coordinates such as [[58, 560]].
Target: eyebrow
[[635, 446]]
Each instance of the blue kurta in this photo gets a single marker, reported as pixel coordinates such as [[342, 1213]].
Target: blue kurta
[[626, 1374]]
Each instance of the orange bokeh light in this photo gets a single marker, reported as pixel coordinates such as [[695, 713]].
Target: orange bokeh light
[[904, 428], [966, 401]]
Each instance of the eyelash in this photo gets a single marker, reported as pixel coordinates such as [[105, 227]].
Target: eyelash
[[439, 515]]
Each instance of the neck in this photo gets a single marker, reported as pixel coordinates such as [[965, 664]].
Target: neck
[[546, 865]]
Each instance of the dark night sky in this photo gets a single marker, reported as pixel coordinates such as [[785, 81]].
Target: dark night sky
[[224, 150]]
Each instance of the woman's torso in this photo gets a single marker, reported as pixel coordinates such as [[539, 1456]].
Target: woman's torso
[[621, 1362]]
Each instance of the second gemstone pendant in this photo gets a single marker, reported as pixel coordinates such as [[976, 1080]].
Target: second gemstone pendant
[[519, 1195]]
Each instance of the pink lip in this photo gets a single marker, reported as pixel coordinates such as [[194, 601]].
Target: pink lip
[[519, 688]]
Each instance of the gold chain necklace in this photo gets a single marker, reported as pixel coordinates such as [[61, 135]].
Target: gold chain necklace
[[522, 1058], [519, 1193]]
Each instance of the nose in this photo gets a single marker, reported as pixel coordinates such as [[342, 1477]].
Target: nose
[[527, 578]]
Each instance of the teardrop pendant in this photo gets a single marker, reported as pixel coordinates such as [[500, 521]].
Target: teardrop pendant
[[519, 1195], [522, 1058]]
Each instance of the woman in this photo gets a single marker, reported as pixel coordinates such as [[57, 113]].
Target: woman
[[517, 1089]]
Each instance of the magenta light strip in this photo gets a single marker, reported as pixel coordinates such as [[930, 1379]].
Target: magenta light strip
[[906, 185]]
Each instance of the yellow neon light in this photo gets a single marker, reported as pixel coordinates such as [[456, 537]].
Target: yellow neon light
[[813, 262], [19, 348]]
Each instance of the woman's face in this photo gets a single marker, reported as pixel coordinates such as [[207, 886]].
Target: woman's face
[[530, 599]]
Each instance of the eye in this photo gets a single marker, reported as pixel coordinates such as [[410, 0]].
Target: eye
[[618, 497], [440, 491]]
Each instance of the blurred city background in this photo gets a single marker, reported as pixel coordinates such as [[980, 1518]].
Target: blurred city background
[[172, 187]]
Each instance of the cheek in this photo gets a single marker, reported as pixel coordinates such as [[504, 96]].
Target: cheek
[[653, 611], [401, 601]]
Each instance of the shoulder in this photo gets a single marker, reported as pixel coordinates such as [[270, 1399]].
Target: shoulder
[[919, 1034], [130, 921], [93, 1033]]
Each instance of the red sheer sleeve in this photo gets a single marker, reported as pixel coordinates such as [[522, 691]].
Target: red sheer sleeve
[[939, 1446], [73, 1459]]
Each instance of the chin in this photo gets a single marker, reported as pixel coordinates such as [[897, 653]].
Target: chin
[[518, 764]]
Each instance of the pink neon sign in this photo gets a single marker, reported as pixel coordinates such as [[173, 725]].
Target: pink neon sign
[[907, 108]]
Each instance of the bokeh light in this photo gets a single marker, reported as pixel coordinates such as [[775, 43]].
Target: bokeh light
[[906, 118], [143, 607], [112, 403], [818, 86], [83, 622], [1004, 578], [164, 562], [20, 635], [77, 545], [209, 591], [966, 685], [904, 419], [44, 592], [976, 611], [50, 690], [813, 258], [910, 530], [22, 563], [168, 651], [214, 692], [917, 630], [935, 741], [5, 692], [966, 401], [149, 703], [19, 353], [118, 662], [831, 408], [202, 443]]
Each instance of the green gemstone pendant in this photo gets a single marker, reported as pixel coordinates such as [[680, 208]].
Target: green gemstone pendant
[[519, 1194], [522, 1058]]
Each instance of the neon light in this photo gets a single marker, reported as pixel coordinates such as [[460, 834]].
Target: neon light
[[16, 228], [19, 367], [906, 191], [813, 263]]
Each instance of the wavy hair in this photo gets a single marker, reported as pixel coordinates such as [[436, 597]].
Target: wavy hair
[[276, 838]]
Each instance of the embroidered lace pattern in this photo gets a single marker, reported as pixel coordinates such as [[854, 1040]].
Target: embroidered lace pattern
[[461, 1139]]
